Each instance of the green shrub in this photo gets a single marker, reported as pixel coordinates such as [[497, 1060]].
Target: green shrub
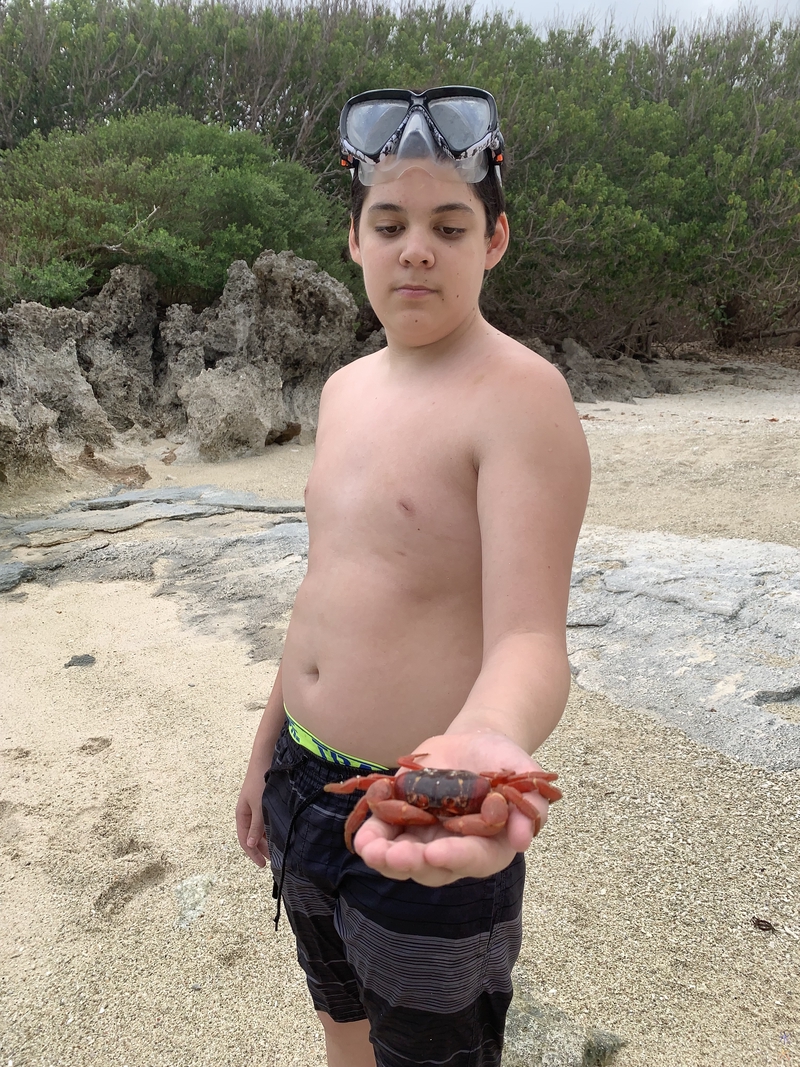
[[179, 197]]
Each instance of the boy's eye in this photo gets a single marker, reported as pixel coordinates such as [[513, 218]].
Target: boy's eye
[[452, 231], [389, 228]]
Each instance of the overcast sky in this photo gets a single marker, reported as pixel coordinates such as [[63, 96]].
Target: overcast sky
[[630, 12]]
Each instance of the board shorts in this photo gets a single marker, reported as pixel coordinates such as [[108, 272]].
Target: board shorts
[[430, 968]]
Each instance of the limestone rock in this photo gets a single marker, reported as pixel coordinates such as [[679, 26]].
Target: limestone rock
[[23, 439], [247, 371], [45, 400], [306, 322], [243, 373], [180, 356], [232, 410], [117, 355], [591, 379]]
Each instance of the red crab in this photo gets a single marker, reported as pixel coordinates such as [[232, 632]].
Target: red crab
[[463, 801]]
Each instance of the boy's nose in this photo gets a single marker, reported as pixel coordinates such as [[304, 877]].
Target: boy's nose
[[417, 250]]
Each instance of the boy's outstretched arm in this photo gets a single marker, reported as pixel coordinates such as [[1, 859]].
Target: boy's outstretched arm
[[533, 483]]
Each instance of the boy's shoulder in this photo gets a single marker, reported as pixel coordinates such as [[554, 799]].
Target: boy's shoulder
[[513, 365], [509, 366]]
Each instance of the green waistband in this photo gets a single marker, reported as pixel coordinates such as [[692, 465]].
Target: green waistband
[[305, 738]]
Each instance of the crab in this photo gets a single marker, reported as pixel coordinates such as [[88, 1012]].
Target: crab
[[462, 801]]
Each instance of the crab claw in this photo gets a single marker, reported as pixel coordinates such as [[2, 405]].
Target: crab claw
[[491, 819]]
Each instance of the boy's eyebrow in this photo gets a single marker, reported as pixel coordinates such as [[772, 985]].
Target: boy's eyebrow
[[443, 209], [457, 205], [384, 207]]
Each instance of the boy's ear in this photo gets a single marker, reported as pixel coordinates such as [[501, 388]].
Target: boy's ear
[[498, 243], [355, 251]]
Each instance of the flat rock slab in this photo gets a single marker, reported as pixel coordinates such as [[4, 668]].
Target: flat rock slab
[[115, 521], [207, 495], [705, 634]]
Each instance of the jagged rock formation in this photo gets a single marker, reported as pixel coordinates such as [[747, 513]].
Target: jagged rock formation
[[237, 376], [243, 373]]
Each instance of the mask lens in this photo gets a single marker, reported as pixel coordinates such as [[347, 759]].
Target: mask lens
[[371, 123], [462, 120]]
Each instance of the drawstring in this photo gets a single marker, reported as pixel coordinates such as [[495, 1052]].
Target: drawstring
[[277, 890]]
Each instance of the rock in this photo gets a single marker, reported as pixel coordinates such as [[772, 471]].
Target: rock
[[85, 660], [702, 634], [249, 371], [180, 356], [592, 379], [243, 374], [374, 343], [24, 433], [45, 400], [232, 410], [306, 321], [207, 495], [131, 476], [12, 574], [74, 377], [579, 388], [576, 357], [117, 520], [538, 1035], [117, 356], [664, 383]]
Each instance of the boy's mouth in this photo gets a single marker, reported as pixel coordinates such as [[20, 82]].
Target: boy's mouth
[[413, 291]]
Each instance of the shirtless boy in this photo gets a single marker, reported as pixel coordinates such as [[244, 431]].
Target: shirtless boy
[[445, 500]]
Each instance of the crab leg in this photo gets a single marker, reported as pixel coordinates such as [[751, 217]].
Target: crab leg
[[538, 785], [359, 782], [513, 796], [354, 821]]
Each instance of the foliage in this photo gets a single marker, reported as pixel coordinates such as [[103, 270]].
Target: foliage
[[181, 198], [653, 179]]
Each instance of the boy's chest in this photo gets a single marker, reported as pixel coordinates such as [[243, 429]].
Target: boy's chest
[[402, 479]]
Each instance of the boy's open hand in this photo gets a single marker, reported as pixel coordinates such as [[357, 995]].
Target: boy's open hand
[[432, 855]]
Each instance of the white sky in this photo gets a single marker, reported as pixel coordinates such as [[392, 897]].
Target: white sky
[[640, 13]]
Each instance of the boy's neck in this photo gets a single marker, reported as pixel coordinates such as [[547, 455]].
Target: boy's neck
[[467, 340]]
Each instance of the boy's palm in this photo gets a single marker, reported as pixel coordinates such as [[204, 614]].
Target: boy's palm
[[432, 855]]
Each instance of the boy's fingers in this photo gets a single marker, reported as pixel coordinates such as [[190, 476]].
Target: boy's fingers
[[251, 836], [470, 857]]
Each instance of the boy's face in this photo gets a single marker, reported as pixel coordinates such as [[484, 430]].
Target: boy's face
[[423, 248]]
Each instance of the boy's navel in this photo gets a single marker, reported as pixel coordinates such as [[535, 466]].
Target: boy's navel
[[408, 508]]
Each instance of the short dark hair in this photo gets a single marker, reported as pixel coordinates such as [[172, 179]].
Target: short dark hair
[[489, 191]]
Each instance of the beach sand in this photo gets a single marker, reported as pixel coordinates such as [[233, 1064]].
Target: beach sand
[[118, 784]]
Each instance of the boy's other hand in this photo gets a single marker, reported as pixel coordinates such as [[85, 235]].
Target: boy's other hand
[[250, 822], [432, 855]]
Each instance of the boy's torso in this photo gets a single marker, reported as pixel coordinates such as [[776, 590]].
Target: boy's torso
[[385, 640]]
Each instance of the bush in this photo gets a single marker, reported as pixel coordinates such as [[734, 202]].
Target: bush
[[179, 197]]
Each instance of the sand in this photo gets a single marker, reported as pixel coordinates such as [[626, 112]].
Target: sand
[[118, 783]]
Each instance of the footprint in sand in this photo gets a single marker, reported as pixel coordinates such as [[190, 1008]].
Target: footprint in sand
[[123, 889], [16, 753], [92, 745]]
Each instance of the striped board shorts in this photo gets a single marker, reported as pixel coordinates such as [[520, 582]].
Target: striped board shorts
[[429, 967]]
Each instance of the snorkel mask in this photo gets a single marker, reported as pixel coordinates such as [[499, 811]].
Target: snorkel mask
[[451, 133]]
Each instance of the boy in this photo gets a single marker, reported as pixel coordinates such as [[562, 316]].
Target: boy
[[445, 500]]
